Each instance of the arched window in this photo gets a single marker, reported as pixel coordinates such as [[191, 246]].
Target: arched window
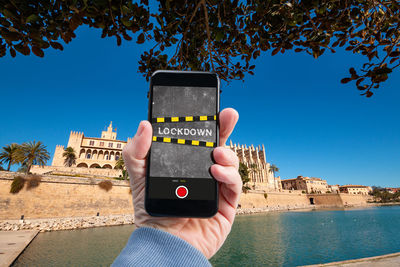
[[88, 156], [82, 154]]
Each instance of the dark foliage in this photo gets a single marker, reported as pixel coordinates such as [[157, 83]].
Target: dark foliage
[[244, 174], [17, 184], [222, 36], [33, 181], [106, 185]]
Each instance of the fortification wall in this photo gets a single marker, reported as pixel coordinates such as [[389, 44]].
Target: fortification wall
[[59, 196], [326, 200], [63, 197], [296, 200], [274, 200], [355, 200]]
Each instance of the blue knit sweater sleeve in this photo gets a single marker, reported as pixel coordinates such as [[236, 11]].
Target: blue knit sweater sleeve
[[152, 247]]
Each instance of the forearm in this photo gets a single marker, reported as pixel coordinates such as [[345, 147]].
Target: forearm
[[152, 247]]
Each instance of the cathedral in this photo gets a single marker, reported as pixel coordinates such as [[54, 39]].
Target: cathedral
[[260, 174]]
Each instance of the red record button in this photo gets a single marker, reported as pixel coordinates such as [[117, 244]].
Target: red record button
[[181, 191]]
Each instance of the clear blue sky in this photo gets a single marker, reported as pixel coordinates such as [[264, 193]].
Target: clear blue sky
[[311, 124]]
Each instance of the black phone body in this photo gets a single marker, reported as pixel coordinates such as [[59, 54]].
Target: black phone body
[[183, 110]]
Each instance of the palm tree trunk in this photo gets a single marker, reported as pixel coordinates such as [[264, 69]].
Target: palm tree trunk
[[28, 167], [9, 165]]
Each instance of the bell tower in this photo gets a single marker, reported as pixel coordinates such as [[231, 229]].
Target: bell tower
[[109, 134]]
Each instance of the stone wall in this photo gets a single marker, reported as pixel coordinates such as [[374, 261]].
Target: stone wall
[[355, 200], [327, 200], [63, 197], [59, 196], [75, 171], [274, 200], [295, 200]]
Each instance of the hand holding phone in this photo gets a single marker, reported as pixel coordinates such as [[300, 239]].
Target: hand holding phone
[[207, 235]]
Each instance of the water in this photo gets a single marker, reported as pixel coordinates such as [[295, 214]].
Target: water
[[273, 239]]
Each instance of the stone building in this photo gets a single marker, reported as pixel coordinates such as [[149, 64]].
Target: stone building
[[334, 189], [261, 178], [92, 152], [95, 156], [355, 189], [308, 185]]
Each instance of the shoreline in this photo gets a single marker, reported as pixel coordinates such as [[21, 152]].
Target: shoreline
[[391, 259], [74, 223]]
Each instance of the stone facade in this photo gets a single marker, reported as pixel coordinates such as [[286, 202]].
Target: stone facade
[[306, 184], [63, 197], [98, 154], [334, 189], [261, 177], [355, 189]]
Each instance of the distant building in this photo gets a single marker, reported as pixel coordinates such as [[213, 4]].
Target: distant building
[[392, 190], [355, 189], [308, 185], [334, 189]]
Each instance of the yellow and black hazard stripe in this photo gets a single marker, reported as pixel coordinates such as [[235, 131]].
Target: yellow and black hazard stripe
[[183, 141], [184, 119]]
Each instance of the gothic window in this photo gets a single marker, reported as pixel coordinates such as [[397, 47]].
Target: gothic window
[[110, 144], [91, 143], [117, 157], [88, 156], [107, 157], [101, 143], [118, 145]]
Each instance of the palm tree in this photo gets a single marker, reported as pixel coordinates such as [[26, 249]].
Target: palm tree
[[273, 169], [121, 165], [33, 153], [252, 170], [8, 155], [244, 174], [70, 156]]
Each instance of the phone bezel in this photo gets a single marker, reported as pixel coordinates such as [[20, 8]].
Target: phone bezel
[[182, 207]]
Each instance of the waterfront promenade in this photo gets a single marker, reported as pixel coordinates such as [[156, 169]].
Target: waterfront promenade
[[378, 261], [12, 243]]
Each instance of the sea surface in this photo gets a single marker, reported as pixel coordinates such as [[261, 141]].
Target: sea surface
[[272, 239]]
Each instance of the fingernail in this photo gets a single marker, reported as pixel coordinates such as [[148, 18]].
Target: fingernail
[[140, 129]]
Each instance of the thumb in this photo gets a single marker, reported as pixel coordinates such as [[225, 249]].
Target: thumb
[[138, 147]]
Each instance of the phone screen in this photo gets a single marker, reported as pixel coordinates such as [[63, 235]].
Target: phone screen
[[184, 120]]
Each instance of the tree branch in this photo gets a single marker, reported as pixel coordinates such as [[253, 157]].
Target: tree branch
[[208, 33]]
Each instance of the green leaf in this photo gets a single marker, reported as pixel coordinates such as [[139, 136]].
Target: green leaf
[[126, 22], [32, 18], [219, 36]]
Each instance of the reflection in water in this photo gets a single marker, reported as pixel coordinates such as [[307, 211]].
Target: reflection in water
[[274, 239], [252, 237]]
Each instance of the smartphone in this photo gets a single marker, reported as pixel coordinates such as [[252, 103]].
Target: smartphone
[[183, 110]]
